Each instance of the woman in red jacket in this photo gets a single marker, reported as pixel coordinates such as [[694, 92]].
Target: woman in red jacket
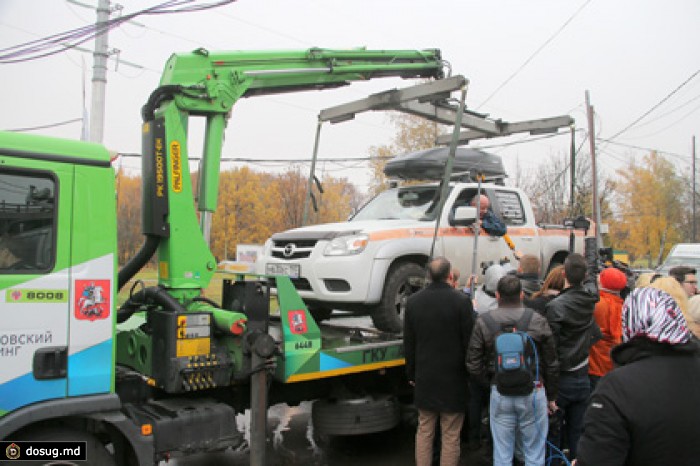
[[608, 316]]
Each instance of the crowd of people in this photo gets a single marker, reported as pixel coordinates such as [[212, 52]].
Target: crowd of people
[[614, 365]]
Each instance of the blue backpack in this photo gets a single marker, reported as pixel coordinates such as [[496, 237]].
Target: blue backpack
[[514, 355]]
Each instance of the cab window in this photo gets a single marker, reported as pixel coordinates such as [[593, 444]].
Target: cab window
[[509, 208], [27, 221]]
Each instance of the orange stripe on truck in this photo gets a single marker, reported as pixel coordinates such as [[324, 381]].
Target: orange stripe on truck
[[451, 231]]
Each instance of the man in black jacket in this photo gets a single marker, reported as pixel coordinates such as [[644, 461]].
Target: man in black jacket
[[437, 326], [570, 316]]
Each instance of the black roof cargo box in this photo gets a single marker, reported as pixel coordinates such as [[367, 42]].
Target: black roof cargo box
[[430, 165]]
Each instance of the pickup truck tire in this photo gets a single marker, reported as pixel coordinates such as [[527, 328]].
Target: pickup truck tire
[[356, 416], [401, 282]]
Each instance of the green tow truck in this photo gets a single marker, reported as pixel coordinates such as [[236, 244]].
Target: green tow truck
[[165, 374]]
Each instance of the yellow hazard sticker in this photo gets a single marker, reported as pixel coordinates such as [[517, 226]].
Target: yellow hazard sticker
[[193, 347]]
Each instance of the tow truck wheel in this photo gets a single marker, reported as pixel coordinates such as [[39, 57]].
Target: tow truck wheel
[[95, 452], [402, 281], [354, 416]]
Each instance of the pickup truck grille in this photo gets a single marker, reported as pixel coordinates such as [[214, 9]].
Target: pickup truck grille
[[297, 249]]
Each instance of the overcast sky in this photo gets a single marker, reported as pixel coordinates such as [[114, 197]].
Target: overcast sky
[[524, 60]]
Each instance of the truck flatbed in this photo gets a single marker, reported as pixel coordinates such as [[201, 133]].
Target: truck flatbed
[[342, 346]]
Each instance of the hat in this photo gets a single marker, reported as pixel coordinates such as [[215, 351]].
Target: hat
[[491, 277], [613, 279]]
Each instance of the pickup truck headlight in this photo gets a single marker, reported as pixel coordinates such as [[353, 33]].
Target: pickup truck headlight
[[346, 245]]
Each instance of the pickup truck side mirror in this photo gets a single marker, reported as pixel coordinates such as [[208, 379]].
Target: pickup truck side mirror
[[463, 216]]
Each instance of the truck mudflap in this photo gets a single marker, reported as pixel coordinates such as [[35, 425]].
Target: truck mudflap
[[342, 350]]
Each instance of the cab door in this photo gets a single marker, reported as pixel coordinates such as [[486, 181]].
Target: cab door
[[35, 214]]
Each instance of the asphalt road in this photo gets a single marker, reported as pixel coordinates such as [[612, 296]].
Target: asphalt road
[[291, 443]]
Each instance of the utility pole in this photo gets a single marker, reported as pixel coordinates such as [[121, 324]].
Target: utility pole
[[695, 228], [594, 170], [99, 73]]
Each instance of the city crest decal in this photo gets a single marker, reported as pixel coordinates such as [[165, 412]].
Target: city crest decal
[[92, 299]]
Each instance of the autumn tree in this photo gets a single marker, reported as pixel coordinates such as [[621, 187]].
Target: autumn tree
[[129, 236], [245, 211], [414, 133], [649, 199], [548, 186]]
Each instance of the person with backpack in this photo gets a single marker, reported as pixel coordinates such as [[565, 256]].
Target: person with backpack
[[512, 349]]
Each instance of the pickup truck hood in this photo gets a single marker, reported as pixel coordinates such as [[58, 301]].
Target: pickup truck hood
[[331, 230]]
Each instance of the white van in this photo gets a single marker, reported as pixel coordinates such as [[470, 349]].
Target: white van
[[681, 254]]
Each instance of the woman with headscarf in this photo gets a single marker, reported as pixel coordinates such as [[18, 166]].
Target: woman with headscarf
[[645, 412]]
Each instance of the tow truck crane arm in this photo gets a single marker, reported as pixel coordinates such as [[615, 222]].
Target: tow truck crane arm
[[208, 84]]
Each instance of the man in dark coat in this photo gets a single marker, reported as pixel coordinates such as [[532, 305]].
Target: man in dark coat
[[645, 411], [570, 315], [437, 326]]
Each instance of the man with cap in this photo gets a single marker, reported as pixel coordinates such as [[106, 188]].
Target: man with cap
[[608, 316], [485, 296]]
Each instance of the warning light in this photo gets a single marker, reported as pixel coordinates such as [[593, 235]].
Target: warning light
[[238, 327], [146, 430]]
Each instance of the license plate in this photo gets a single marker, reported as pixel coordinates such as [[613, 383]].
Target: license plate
[[290, 270]]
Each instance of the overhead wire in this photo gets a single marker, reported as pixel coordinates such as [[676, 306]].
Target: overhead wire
[[57, 43], [657, 105], [51, 125], [534, 54]]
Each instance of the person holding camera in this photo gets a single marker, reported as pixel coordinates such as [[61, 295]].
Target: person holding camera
[[570, 316]]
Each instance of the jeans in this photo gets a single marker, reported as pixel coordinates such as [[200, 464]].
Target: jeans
[[524, 416], [572, 400], [450, 427]]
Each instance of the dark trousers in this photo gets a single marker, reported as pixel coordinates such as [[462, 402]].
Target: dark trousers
[[572, 400], [479, 396]]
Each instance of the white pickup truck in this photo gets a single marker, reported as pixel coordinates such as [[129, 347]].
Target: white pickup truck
[[374, 261]]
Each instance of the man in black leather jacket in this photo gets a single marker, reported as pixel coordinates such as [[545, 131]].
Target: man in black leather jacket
[[570, 315]]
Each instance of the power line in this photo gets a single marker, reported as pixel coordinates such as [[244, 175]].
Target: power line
[[534, 54], [52, 125], [668, 96], [57, 43]]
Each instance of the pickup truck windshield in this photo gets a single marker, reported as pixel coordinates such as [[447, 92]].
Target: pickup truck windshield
[[406, 203]]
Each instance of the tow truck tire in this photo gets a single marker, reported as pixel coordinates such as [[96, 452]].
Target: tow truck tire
[[401, 282], [359, 416], [95, 453]]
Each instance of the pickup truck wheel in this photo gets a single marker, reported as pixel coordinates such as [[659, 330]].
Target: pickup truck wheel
[[401, 283]]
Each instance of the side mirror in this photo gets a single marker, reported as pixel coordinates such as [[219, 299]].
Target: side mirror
[[464, 216]]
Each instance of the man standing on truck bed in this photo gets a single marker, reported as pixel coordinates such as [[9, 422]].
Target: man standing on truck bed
[[437, 327], [489, 221]]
